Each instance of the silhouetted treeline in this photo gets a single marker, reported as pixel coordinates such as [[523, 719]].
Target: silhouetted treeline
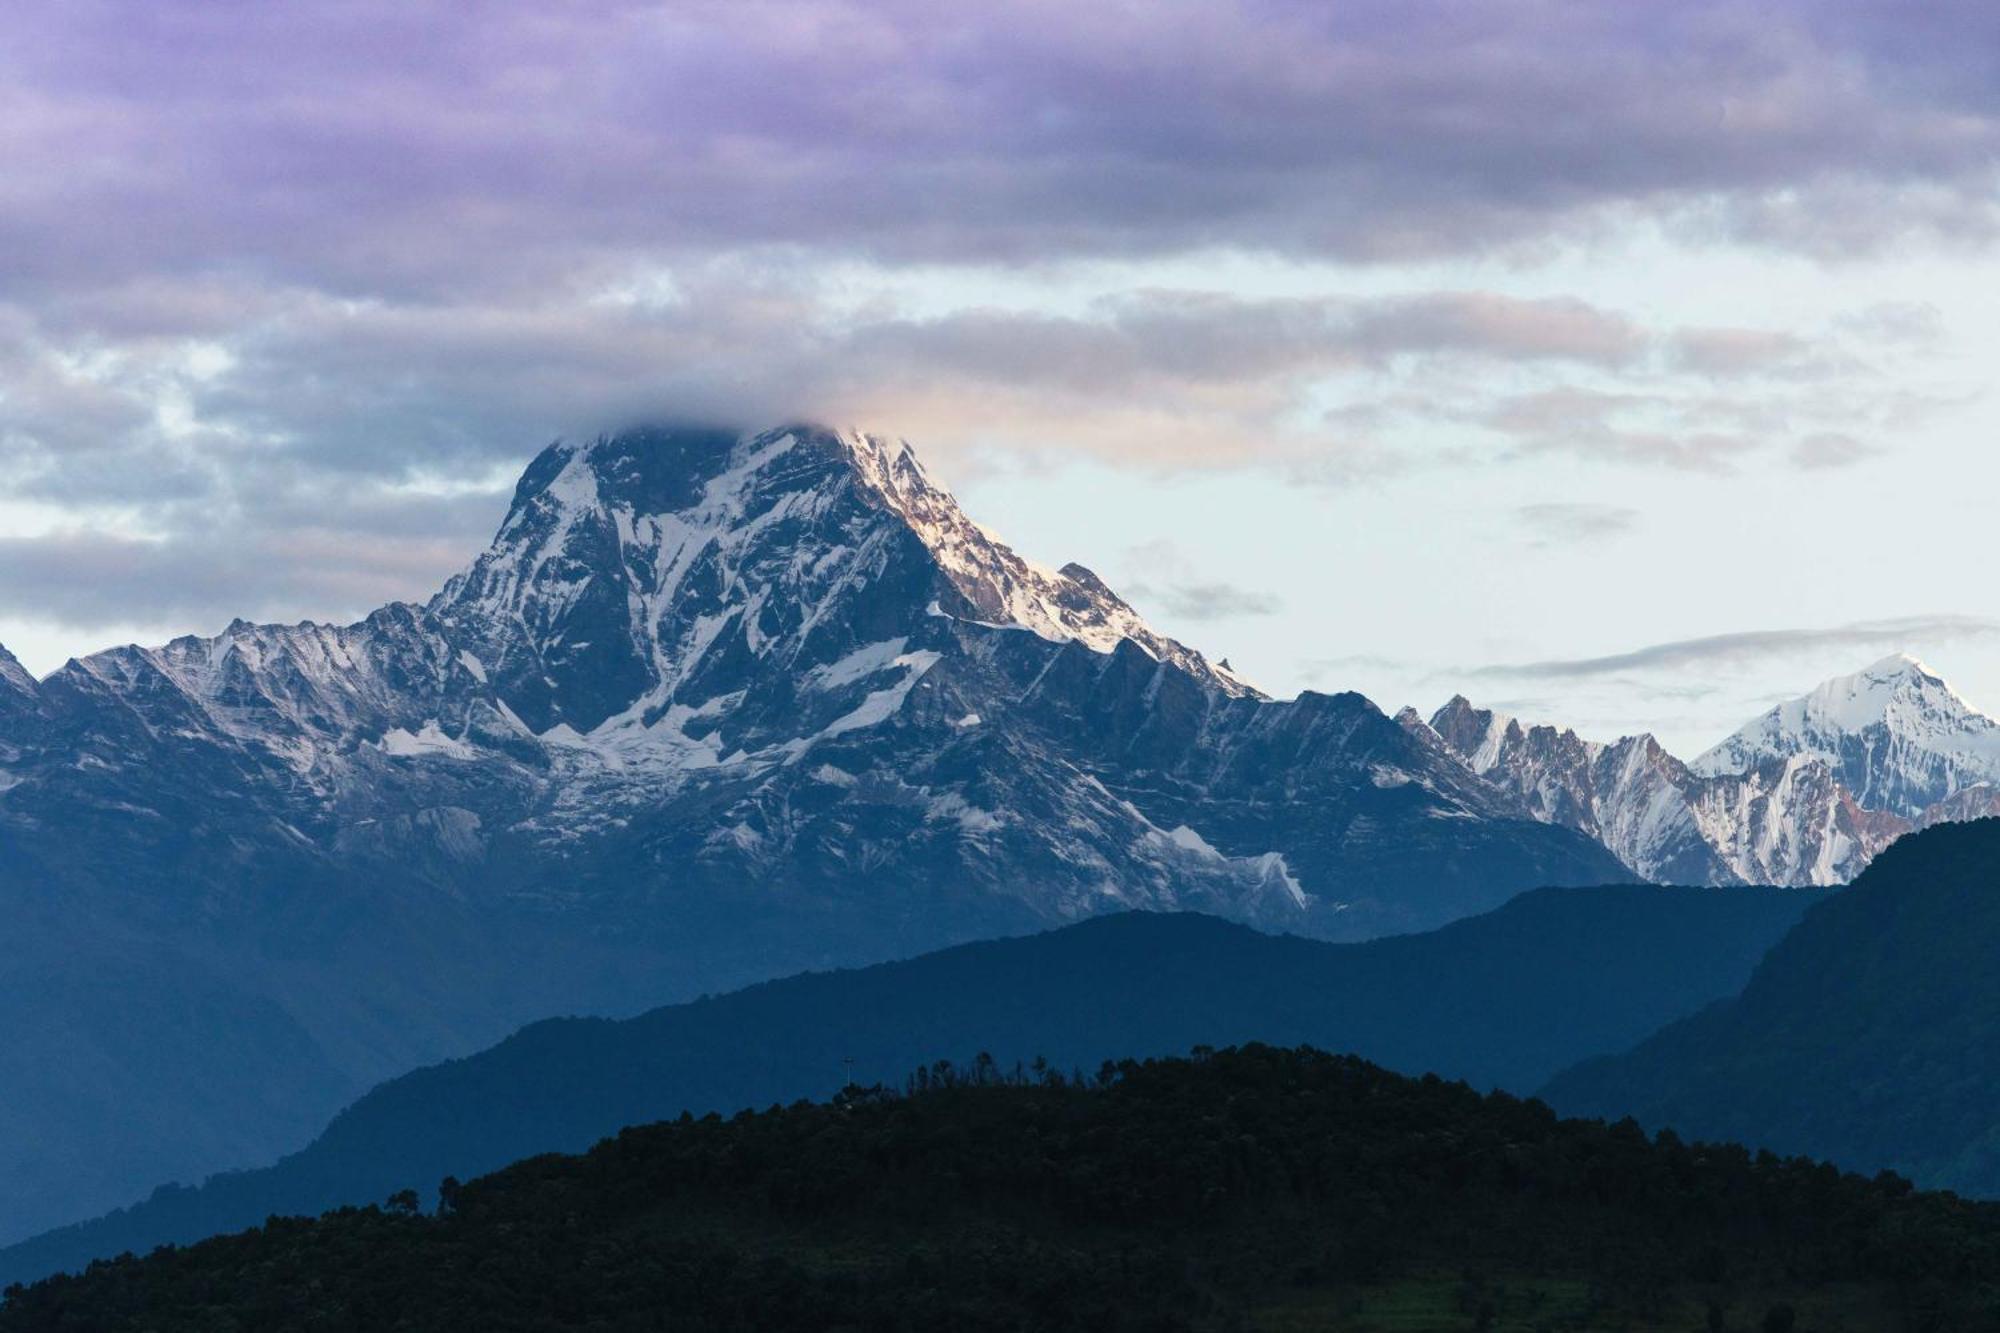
[[1235, 1189]]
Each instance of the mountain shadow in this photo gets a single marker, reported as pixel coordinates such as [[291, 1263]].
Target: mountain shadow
[[1504, 999], [1870, 1036]]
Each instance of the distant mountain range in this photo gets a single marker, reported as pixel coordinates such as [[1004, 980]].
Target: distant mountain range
[[1866, 1037], [1504, 999], [1809, 793]]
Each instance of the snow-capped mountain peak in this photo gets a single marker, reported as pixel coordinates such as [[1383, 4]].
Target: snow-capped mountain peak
[[1897, 735], [782, 652], [651, 566], [1899, 690]]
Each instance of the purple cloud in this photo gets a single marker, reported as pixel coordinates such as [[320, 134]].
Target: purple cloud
[[1722, 353], [414, 146]]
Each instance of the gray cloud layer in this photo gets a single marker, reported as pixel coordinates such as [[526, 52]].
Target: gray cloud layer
[[1206, 601], [1566, 523], [1167, 582], [352, 417]]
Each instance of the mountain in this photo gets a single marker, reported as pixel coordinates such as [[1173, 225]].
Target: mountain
[[1895, 735], [1866, 1036], [1505, 999], [1809, 793], [1786, 819], [20, 695], [711, 708], [1252, 1188], [1633, 796]]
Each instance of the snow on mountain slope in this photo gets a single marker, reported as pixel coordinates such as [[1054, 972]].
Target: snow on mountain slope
[[14, 678], [1896, 735], [660, 605], [1806, 794], [1791, 821], [20, 694], [1000, 586], [1786, 820], [1632, 796], [1976, 802]]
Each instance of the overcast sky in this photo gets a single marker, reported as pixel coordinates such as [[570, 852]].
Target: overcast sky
[[1625, 365]]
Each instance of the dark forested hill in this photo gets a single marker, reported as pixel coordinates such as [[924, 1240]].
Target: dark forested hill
[[1871, 1035], [1503, 999], [1256, 1188]]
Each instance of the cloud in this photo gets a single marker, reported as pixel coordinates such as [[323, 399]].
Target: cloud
[[1338, 672], [1753, 645], [1153, 341], [1207, 601], [1645, 429], [86, 579], [1486, 324], [1717, 400], [1830, 449], [406, 145], [1170, 583], [1564, 524], [383, 390], [1910, 323], [343, 412], [1731, 352]]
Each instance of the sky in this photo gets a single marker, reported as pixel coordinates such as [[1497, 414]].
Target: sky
[[1618, 365]]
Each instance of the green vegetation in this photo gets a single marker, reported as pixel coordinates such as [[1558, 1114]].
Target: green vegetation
[[1247, 1189]]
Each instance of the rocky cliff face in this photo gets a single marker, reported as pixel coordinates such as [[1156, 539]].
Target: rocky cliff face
[[1786, 820]]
